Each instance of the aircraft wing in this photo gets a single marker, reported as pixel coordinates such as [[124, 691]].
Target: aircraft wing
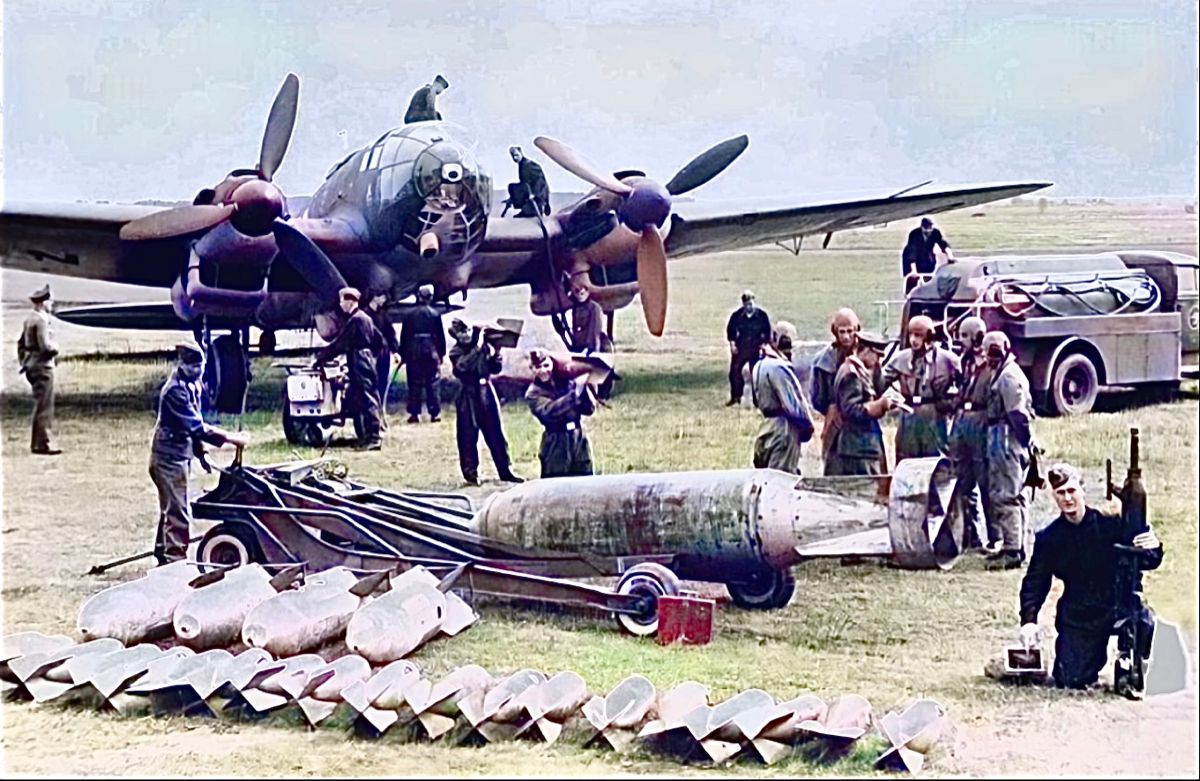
[[695, 231]]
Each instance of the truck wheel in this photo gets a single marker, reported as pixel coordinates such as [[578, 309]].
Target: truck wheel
[[767, 589], [1074, 385], [651, 581], [228, 545]]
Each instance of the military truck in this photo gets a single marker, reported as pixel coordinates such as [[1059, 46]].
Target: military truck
[[1077, 322]]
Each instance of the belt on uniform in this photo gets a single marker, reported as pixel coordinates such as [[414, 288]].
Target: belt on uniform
[[562, 429]]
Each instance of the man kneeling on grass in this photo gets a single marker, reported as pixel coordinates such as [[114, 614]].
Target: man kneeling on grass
[[1078, 549]]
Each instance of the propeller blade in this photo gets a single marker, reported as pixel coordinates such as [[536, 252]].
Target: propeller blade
[[179, 221], [310, 262], [652, 279], [707, 164], [280, 122], [572, 161]]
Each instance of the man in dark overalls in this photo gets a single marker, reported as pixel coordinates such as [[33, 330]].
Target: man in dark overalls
[[359, 342], [423, 106], [422, 346], [179, 433], [388, 345], [748, 329], [530, 194], [477, 407], [558, 402], [587, 329]]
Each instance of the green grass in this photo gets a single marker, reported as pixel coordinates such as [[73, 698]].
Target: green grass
[[886, 634]]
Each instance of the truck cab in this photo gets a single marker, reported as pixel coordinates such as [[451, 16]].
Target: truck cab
[[1077, 322]]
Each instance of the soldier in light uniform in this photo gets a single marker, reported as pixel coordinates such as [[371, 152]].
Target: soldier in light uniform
[[777, 394], [927, 376], [968, 436], [559, 403], [845, 327], [858, 449], [179, 433], [1009, 440], [36, 352]]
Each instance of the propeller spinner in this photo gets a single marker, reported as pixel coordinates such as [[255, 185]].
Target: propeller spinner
[[645, 207]]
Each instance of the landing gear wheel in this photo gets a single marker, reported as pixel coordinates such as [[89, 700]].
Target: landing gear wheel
[[764, 590], [228, 545], [650, 581], [1074, 386]]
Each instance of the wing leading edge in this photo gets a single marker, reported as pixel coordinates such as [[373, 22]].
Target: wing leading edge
[[721, 232]]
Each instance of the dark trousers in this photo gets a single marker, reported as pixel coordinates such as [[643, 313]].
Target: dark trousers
[[1079, 656], [383, 373], [41, 381], [170, 478], [745, 355], [970, 491], [565, 454], [363, 397], [478, 411], [422, 387]]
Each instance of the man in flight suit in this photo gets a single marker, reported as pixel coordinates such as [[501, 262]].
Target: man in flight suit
[[388, 346], [776, 392], [748, 329], [928, 378], [845, 327], [559, 403], [587, 329], [968, 436], [477, 407], [529, 194], [859, 447], [179, 433], [1009, 441], [359, 342], [423, 106], [36, 352], [422, 346]]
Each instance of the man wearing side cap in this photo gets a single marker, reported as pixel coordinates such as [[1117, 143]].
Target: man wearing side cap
[[179, 433], [1009, 441], [358, 341], [856, 390], [478, 409], [423, 106], [559, 403], [1077, 548], [422, 347], [748, 329], [927, 377], [36, 352]]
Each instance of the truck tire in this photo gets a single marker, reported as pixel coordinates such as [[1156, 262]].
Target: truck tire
[[646, 580], [768, 589], [1074, 385]]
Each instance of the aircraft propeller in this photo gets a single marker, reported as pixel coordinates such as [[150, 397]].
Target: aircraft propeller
[[644, 208], [246, 196], [310, 262]]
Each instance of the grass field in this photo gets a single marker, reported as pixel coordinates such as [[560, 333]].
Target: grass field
[[885, 634]]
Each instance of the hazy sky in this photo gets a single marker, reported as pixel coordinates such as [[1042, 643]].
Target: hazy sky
[[128, 100]]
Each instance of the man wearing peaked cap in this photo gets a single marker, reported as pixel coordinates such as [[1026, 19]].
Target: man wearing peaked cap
[[179, 433], [857, 392], [359, 341], [36, 351]]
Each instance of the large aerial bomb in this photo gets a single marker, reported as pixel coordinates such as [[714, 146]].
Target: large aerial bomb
[[742, 527], [772, 731], [911, 735], [379, 699], [322, 692], [617, 717], [549, 705], [494, 714], [411, 613], [437, 705], [140, 609], [212, 615], [294, 622]]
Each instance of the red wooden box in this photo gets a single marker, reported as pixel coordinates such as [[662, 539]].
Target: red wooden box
[[687, 620]]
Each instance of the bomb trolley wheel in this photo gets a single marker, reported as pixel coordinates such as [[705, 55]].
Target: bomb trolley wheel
[[649, 581], [227, 545]]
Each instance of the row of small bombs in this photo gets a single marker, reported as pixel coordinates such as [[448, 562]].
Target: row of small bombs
[[681, 722], [247, 604]]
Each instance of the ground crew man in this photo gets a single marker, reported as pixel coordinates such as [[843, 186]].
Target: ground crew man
[[36, 352], [928, 380], [529, 194], [845, 327], [968, 436], [858, 449], [422, 347], [1077, 548], [1009, 440], [558, 402], [388, 346], [587, 317], [748, 329], [179, 433], [359, 342], [777, 393], [478, 409], [917, 257], [423, 106]]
